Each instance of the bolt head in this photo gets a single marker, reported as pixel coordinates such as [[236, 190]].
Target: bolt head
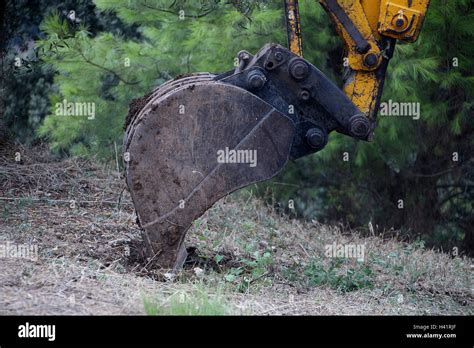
[[316, 138], [359, 126], [279, 56], [371, 60], [256, 80], [299, 69]]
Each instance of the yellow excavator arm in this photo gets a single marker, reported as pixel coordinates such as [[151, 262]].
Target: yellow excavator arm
[[369, 29]]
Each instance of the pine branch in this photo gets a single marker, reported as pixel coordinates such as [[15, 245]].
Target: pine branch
[[106, 69], [175, 13]]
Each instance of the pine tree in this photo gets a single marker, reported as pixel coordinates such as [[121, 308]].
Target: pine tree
[[177, 37]]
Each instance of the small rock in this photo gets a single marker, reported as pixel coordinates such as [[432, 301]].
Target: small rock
[[198, 272]]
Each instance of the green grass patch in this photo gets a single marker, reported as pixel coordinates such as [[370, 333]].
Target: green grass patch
[[338, 276], [197, 302]]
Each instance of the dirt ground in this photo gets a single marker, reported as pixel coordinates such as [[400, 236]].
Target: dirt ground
[[77, 220]]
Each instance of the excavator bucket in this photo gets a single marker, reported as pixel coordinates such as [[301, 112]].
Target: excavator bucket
[[194, 141], [199, 137]]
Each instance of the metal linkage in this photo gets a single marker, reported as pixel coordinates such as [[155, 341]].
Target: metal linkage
[[299, 90]]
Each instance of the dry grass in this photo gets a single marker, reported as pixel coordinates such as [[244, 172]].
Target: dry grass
[[253, 260]]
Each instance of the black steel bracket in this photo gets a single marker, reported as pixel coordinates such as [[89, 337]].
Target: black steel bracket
[[299, 90]]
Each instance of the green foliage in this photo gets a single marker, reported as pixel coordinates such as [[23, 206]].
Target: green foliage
[[354, 278], [177, 37], [26, 83], [82, 77], [253, 268]]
